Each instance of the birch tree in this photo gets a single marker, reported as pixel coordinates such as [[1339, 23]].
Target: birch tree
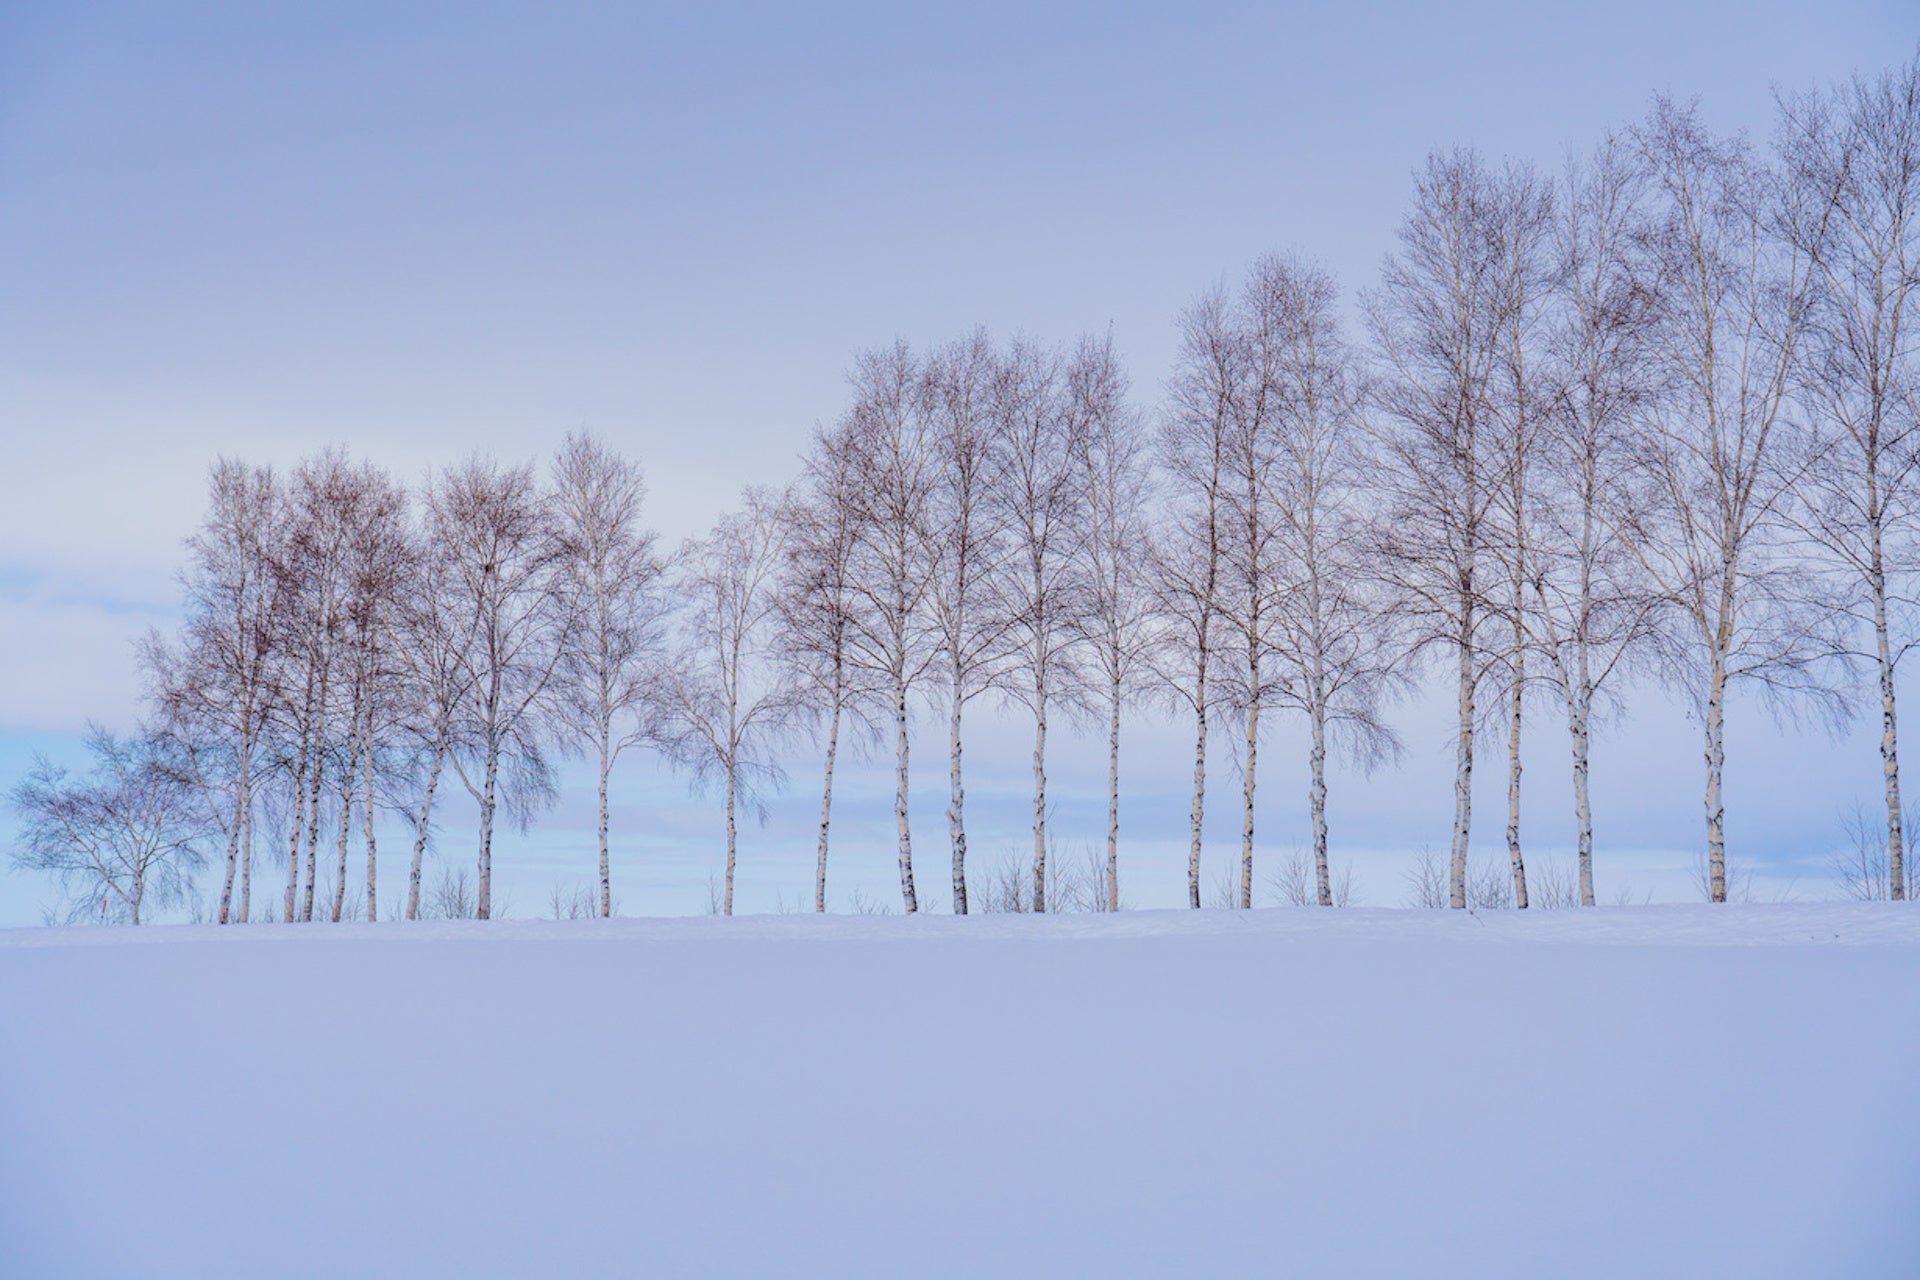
[[967, 544], [815, 607], [1853, 155], [1191, 451], [1436, 324], [1041, 586], [1593, 605], [437, 634], [1521, 396], [215, 688], [494, 531], [127, 835], [313, 589], [1253, 587], [1113, 463], [1334, 643], [1713, 537], [610, 670], [724, 704], [894, 465], [378, 546]]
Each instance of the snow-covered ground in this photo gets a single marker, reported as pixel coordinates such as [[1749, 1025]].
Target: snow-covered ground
[[1662, 1091]]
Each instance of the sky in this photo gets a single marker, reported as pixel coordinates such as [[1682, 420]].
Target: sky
[[419, 231]]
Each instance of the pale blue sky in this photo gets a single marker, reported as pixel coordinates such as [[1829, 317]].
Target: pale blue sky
[[422, 230]]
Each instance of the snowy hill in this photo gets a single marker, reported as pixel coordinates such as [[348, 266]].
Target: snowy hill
[[1667, 1091]]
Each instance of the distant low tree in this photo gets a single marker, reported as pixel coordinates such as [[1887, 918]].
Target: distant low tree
[[127, 835]]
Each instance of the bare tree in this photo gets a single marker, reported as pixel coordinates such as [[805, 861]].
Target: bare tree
[[1853, 156], [1252, 586], [895, 468], [1862, 863], [967, 544], [1041, 585], [1333, 640], [1713, 537], [1521, 398], [379, 547], [313, 592], [333, 659], [126, 836], [504, 562], [1592, 604], [436, 635], [725, 706], [1188, 551], [612, 574], [215, 689], [1297, 883], [1115, 623], [1429, 881], [1437, 323], [816, 605]]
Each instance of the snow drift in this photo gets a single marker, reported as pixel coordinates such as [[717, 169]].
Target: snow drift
[[1667, 1091]]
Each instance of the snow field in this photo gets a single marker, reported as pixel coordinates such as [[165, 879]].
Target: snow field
[[1672, 1091]]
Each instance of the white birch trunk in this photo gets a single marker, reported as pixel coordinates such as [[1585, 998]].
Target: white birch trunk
[[240, 836], [233, 862], [1463, 770], [1040, 796], [421, 831], [909, 901], [1889, 723], [1113, 794], [1515, 711], [1716, 754], [489, 791], [246, 841], [313, 834], [606, 861], [347, 781], [1197, 812], [957, 798], [1246, 821], [826, 810], [366, 810], [298, 825], [726, 907], [1317, 797], [1578, 718]]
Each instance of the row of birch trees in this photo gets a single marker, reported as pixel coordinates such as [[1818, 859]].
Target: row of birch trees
[[1646, 420], [352, 650]]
